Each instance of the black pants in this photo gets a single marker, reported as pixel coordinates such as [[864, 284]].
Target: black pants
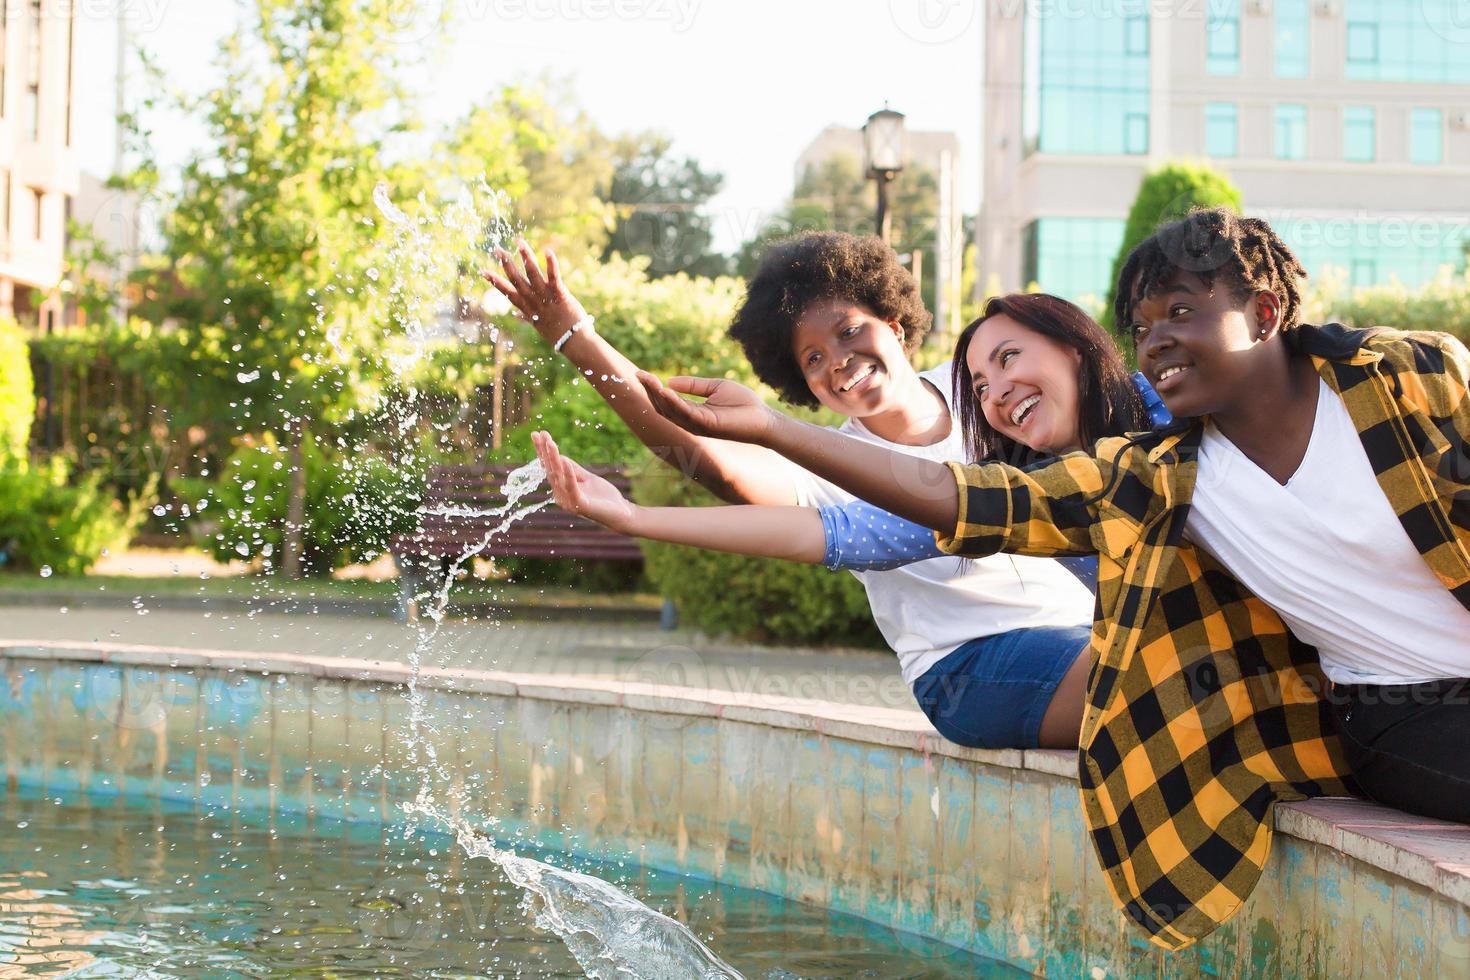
[[1409, 744]]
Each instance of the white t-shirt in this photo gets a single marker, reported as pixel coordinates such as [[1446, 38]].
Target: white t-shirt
[[927, 609], [1329, 554]]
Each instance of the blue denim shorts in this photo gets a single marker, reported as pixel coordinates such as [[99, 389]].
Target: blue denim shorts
[[992, 692]]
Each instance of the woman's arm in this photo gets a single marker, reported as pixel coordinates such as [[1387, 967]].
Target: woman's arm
[[919, 490], [865, 538], [789, 533], [733, 472], [1048, 509]]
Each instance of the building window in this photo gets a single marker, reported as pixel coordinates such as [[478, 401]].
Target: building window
[[1394, 41], [1085, 83], [1426, 136], [1135, 129], [1222, 38], [38, 207], [1358, 134], [4, 42], [5, 204], [1072, 257], [1293, 38], [1369, 253], [1221, 128], [33, 74], [1291, 132]]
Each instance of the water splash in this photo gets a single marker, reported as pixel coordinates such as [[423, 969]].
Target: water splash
[[383, 199], [612, 935]]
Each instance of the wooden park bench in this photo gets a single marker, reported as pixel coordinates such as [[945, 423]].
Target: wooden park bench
[[458, 512]]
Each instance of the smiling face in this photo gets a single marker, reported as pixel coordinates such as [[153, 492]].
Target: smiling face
[[851, 359], [1025, 384], [1199, 345]]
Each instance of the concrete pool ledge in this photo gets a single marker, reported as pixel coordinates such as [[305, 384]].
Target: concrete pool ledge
[[1352, 885]]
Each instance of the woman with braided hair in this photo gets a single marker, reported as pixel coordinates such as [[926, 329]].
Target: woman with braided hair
[[1311, 493]]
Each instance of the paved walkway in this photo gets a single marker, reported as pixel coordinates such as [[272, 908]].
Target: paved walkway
[[617, 652]]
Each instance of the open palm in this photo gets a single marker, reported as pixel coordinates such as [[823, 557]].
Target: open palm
[[729, 410], [577, 490]]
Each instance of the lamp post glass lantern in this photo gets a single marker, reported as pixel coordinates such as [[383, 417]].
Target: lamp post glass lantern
[[884, 152]]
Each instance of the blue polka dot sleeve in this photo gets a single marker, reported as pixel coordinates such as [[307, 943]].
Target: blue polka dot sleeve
[[865, 538]]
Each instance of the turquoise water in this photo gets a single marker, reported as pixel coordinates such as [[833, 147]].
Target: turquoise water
[[123, 886]]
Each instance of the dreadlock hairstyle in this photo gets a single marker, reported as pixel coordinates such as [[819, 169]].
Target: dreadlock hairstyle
[[1108, 403], [1218, 246]]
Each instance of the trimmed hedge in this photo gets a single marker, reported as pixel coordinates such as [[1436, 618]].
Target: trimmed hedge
[[17, 395]]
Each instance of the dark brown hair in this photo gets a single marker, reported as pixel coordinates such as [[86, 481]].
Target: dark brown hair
[[799, 271], [1217, 245], [1107, 400]]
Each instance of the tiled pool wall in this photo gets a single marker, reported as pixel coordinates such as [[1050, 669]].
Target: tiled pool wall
[[861, 810]]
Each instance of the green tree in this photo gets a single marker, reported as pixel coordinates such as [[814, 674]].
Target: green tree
[[1166, 193], [278, 261], [835, 195], [17, 396], [660, 201]]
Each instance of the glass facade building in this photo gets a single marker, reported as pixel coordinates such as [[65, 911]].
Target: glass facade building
[[1291, 132], [1359, 133], [1085, 83], [1293, 38], [1371, 252], [1426, 136], [1222, 128], [1072, 257], [1403, 41], [1222, 37]]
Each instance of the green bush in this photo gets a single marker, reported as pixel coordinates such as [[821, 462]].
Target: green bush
[[17, 397], [1441, 304], [1167, 193], [753, 598], [354, 505], [45, 522]]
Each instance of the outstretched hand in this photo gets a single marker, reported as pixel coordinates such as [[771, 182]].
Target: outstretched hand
[[579, 491], [729, 410], [540, 298]]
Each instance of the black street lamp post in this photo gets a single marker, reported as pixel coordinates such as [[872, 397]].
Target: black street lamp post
[[884, 150]]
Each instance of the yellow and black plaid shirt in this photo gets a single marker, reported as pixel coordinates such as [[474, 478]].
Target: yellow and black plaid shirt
[[1203, 710]]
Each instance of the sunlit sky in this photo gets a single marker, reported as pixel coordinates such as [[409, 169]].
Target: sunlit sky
[[741, 85]]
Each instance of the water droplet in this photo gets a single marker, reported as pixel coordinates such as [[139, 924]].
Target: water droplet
[[242, 549], [159, 510], [247, 377], [385, 205], [45, 571], [372, 274], [248, 486]]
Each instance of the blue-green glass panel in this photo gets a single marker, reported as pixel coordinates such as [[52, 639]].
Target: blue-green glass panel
[[1222, 37], [1221, 129], [1291, 132], [1426, 136], [1358, 137], [1368, 253], [1403, 41], [1293, 38], [1073, 257], [1085, 82]]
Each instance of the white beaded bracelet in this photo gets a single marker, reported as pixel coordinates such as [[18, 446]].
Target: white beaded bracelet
[[583, 324]]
